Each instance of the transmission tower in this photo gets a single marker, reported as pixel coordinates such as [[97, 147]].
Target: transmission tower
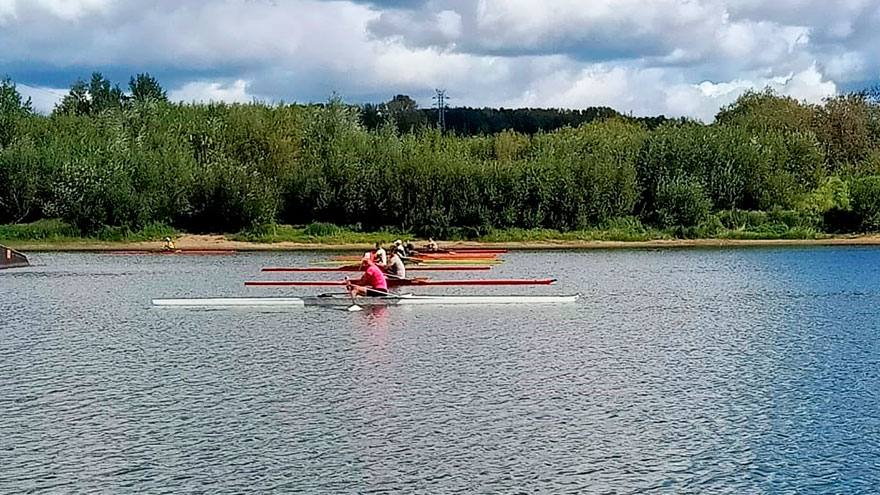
[[440, 102]]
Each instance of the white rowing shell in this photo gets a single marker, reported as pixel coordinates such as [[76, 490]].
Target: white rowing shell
[[232, 302]]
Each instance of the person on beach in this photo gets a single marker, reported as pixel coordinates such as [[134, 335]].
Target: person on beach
[[381, 256], [372, 283], [396, 267], [169, 245]]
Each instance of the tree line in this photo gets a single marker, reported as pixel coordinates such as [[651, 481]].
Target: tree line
[[406, 115], [106, 157]]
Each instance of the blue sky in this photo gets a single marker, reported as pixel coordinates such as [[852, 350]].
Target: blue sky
[[675, 57]]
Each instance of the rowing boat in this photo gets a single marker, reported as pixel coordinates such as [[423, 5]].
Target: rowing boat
[[404, 282], [431, 256], [345, 300], [460, 250], [10, 258], [360, 268]]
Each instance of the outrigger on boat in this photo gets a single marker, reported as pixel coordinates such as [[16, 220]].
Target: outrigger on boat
[[346, 300]]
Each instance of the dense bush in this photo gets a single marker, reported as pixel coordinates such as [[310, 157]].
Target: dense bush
[[865, 197], [224, 168], [681, 201]]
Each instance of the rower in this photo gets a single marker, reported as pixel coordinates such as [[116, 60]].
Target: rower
[[399, 248], [381, 257], [432, 245], [372, 283], [169, 245], [396, 268]]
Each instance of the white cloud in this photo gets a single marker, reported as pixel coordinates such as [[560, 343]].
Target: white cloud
[[847, 66], [43, 99], [677, 57], [67, 10], [654, 91], [211, 91]]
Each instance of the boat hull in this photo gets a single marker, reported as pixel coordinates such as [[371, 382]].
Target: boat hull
[[344, 300]]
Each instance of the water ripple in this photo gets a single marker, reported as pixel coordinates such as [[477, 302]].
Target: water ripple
[[716, 371]]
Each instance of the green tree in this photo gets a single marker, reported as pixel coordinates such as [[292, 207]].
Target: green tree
[[404, 111], [766, 110], [145, 87], [12, 109], [849, 127], [104, 94], [94, 97], [76, 101]]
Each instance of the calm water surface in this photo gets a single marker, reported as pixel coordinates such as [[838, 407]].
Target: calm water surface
[[681, 371]]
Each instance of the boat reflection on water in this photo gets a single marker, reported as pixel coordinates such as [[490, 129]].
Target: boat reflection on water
[[376, 315]]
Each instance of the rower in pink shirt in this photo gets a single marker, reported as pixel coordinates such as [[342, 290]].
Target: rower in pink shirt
[[372, 283]]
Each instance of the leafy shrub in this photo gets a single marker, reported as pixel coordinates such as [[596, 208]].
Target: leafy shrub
[[865, 196], [682, 202], [321, 229], [46, 229]]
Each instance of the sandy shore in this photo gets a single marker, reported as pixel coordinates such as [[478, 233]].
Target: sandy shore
[[219, 242]]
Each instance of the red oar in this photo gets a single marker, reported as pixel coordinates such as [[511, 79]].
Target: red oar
[[406, 282], [359, 268]]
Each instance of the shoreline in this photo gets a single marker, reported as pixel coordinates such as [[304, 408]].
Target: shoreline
[[221, 243]]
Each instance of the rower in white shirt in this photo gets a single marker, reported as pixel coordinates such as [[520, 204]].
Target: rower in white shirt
[[380, 256], [396, 268]]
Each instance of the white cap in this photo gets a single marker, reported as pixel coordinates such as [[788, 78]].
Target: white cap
[[398, 242]]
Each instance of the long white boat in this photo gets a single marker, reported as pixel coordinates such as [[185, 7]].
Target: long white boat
[[345, 300]]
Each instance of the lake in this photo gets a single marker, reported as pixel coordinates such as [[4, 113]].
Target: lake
[[679, 371]]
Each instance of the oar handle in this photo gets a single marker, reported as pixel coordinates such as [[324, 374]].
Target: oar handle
[[384, 293]]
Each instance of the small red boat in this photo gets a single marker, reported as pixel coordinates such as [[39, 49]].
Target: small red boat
[[360, 268], [404, 282]]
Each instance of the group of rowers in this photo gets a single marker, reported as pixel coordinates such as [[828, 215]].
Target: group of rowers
[[378, 266]]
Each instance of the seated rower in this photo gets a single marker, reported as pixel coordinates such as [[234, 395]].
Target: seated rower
[[381, 257], [372, 283], [400, 249], [396, 268], [432, 245], [169, 245]]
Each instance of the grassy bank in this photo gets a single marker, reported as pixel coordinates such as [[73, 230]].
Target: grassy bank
[[745, 226], [57, 231]]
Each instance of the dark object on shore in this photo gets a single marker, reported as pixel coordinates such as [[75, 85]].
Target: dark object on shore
[[10, 258]]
